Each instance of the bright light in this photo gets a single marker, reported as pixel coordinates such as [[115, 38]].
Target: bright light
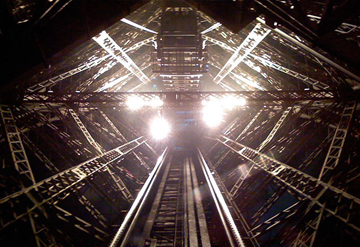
[[216, 25], [160, 128], [241, 102], [137, 25], [229, 102], [214, 108], [212, 114], [135, 102], [156, 102]]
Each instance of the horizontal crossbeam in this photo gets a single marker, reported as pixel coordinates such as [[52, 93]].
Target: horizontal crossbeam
[[172, 99]]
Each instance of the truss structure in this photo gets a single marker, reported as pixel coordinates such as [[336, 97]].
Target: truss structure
[[80, 168]]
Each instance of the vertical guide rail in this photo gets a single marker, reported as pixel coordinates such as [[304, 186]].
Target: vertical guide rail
[[168, 211], [204, 234], [138, 203], [176, 217], [190, 207], [224, 212]]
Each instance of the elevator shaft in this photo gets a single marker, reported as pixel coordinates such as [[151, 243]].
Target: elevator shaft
[[180, 207]]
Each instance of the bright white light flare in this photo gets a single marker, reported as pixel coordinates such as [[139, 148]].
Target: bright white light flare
[[212, 113], [137, 25], [156, 102], [227, 102], [231, 102], [160, 128], [135, 102], [214, 108]]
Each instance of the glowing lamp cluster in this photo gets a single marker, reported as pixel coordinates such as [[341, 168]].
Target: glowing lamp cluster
[[160, 128], [214, 109], [136, 102]]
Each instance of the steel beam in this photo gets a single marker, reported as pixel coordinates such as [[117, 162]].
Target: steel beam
[[313, 52], [18, 154], [310, 81], [86, 133], [223, 209], [277, 126], [108, 44], [306, 79], [122, 138], [56, 185], [131, 216], [303, 184], [277, 219], [306, 236], [252, 40], [223, 156], [337, 144], [50, 166], [79, 223], [176, 99], [43, 236], [115, 178], [219, 43], [46, 85], [70, 141]]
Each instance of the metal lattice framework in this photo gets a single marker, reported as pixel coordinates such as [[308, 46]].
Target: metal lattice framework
[[281, 170], [53, 187], [303, 184], [173, 99]]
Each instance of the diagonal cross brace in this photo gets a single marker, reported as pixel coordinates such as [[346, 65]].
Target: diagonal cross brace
[[57, 184], [345, 209], [248, 45], [108, 44]]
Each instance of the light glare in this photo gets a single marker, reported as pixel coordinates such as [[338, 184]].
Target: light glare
[[160, 128], [212, 114], [213, 110], [156, 102], [135, 102]]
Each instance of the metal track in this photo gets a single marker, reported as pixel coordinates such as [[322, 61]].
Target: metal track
[[177, 215]]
